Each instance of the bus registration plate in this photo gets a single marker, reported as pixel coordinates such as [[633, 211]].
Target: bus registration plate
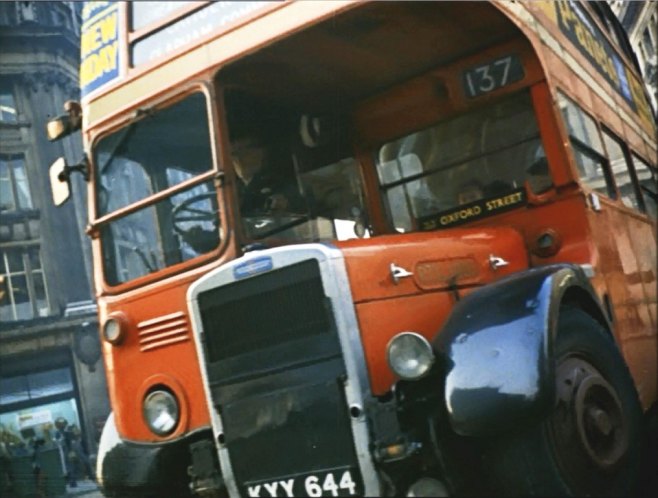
[[337, 482]]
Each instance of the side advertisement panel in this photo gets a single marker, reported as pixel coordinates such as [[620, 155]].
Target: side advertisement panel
[[100, 53]]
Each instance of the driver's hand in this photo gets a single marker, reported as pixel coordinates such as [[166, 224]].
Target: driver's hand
[[276, 202]]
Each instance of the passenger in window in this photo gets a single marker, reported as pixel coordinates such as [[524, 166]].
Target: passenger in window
[[498, 187], [538, 174], [470, 191]]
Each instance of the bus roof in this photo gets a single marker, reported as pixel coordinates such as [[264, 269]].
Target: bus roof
[[131, 52]]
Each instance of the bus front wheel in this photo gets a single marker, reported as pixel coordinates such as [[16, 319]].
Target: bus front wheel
[[589, 444]]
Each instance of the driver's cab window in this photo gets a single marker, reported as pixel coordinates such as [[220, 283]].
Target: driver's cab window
[[493, 152], [162, 149], [295, 176]]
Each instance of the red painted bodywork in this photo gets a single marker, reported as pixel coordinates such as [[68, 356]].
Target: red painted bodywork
[[617, 242], [445, 265]]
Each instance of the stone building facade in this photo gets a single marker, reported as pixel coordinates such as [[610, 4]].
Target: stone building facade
[[640, 19], [50, 363]]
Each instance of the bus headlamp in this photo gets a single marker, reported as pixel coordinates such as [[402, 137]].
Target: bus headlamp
[[114, 329], [161, 412], [410, 355]]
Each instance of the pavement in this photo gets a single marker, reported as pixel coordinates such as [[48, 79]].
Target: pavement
[[86, 489]]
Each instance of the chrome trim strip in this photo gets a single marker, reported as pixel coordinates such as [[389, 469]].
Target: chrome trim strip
[[160, 344], [336, 286], [159, 328], [160, 319], [357, 387]]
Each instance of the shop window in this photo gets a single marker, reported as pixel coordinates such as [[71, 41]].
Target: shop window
[[31, 403], [50, 383], [14, 390], [587, 148], [22, 426], [34, 386], [24, 293], [7, 107], [14, 186]]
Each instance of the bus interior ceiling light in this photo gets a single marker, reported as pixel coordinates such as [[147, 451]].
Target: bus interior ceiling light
[[161, 412], [410, 355]]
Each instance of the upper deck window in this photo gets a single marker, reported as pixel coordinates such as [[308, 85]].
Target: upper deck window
[[183, 31], [587, 147], [164, 150], [621, 170], [144, 13], [485, 154], [648, 179]]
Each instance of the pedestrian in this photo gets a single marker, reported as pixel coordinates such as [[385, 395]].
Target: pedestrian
[[75, 458]]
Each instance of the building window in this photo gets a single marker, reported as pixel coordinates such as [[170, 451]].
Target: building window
[[14, 187], [7, 107], [26, 11], [23, 294], [647, 44]]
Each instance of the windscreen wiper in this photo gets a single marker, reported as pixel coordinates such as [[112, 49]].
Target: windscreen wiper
[[128, 131]]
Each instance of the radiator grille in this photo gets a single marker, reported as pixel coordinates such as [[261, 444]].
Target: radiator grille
[[162, 331], [275, 371], [278, 307]]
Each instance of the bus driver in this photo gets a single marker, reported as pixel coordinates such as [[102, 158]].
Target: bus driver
[[263, 189]]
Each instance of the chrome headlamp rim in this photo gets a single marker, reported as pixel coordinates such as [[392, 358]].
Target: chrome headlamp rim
[[425, 346], [166, 399]]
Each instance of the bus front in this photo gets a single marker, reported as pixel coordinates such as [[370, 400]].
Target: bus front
[[323, 237], [158, 226]]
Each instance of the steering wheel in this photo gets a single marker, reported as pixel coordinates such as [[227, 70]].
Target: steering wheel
[[277, 228], [185, 212]]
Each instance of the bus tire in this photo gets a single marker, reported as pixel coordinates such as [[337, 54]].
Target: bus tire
[[589, 444]]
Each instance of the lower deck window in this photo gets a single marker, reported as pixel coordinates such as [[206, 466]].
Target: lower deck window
[[488, 153]]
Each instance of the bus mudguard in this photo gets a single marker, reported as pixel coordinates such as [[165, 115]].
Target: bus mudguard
[[130, 469], [497, 347]]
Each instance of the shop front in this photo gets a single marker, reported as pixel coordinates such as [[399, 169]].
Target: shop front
[[42, 436]]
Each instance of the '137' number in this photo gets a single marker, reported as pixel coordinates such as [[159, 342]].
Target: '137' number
[[487, 77]]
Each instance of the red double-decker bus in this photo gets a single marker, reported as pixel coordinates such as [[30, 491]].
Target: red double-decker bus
[[369, 248]]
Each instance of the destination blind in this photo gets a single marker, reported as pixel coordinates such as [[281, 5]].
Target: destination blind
[[473, 211]]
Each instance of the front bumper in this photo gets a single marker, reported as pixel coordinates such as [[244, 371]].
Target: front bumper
[[128, 469]]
